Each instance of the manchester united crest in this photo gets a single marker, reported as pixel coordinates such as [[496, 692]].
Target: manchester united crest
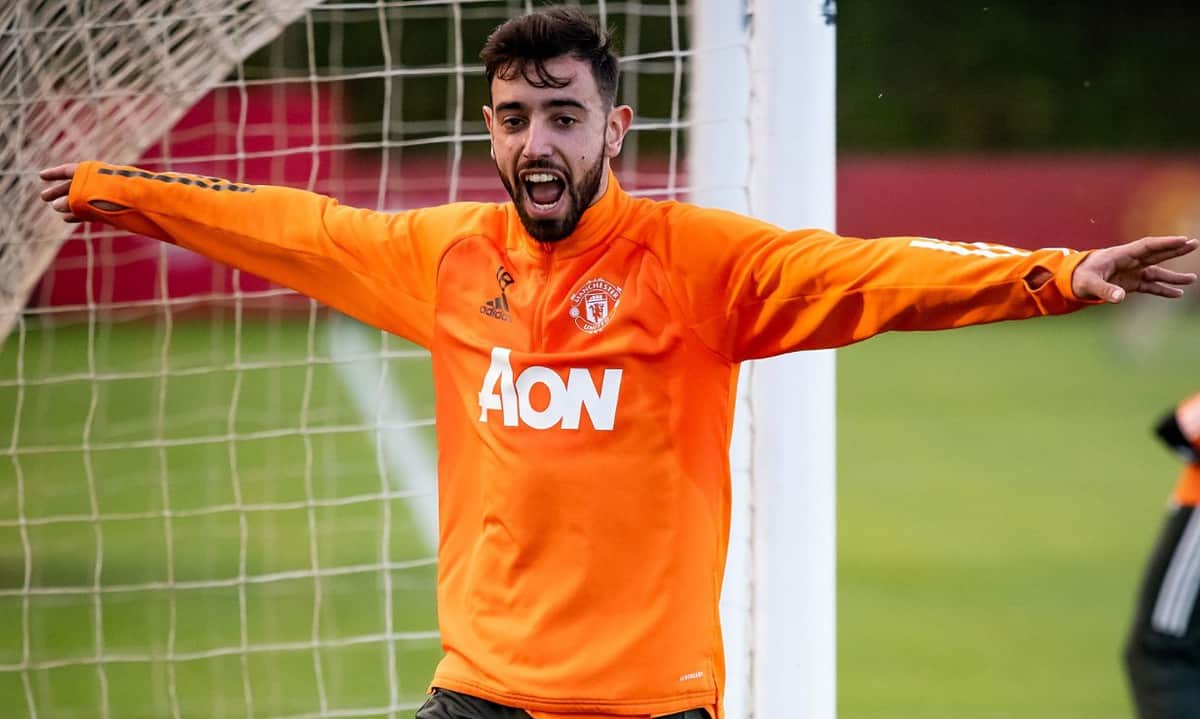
[[593, 305]]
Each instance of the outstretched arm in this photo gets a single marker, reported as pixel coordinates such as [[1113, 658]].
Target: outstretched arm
[[754, 290], [379, 267]]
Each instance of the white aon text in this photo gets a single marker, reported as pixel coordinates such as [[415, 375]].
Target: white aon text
[[568, 400]]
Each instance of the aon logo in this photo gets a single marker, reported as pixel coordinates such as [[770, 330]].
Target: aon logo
[[509, 396]]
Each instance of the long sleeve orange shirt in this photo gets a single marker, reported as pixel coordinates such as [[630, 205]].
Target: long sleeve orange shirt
[[584, 396]]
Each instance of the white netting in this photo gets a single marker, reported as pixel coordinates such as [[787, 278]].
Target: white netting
[[216, 497], [81, 78]]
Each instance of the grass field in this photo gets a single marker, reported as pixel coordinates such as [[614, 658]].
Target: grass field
[[998, 491], [302, 518]]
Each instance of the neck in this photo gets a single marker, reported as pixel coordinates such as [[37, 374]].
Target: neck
[[603, 184]]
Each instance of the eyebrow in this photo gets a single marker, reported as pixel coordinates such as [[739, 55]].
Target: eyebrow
[[516, 106]]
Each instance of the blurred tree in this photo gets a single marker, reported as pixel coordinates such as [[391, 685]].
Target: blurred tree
[[1017, 74]]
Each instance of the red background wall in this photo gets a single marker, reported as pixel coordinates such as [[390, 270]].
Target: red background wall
[[1022, 200]]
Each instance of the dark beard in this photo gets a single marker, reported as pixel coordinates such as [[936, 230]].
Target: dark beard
[[581, 195]]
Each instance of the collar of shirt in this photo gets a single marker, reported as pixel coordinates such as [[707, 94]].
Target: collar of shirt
[[596, 227]]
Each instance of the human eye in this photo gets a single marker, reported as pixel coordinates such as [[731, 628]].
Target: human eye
[[513, 122], [566, 121]]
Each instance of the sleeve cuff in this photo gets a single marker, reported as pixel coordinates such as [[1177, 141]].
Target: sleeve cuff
[[77, 197], [1055, 297], [1063, 277]]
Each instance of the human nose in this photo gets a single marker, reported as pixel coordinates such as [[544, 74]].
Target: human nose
[[537, 142]]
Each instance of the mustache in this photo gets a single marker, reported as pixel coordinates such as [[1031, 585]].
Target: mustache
[[542, 165]]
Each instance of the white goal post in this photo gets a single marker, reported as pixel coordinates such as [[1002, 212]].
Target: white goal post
[[215, 497], [764, 109]]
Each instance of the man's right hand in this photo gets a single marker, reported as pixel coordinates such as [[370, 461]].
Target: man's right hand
[[58, 194]]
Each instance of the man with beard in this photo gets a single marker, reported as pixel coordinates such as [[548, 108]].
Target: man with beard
[[585, 348]]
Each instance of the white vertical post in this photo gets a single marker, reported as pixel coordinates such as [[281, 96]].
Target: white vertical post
[[778, 602], [793, 158], [718, 176]]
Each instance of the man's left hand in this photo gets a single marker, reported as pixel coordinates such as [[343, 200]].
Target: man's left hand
[[1110, 273]]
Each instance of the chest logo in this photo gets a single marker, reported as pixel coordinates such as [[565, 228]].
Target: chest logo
[[556, 403], [497, 307], [593, 305]]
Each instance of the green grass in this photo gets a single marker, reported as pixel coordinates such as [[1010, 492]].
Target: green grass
[[295, 490], [998, 492]]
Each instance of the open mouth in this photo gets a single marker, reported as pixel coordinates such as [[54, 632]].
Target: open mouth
[[544, 189]]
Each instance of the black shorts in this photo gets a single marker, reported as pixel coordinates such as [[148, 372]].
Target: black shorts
[[1162, 653], [445, 704]]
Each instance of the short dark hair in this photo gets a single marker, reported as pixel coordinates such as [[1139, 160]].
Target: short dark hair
[[522, 46]]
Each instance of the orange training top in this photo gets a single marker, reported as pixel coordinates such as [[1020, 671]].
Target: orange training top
[[584, 396], [1187, 489]]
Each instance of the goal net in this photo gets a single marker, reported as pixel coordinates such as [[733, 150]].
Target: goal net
[[217, 497]]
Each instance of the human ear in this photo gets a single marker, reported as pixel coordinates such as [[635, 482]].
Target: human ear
[[488, 116], [620, 119]]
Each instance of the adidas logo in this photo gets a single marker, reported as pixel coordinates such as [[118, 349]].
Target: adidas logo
[[497, 308]]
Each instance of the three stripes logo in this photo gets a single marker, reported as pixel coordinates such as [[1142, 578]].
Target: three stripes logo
[[497, 307]]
